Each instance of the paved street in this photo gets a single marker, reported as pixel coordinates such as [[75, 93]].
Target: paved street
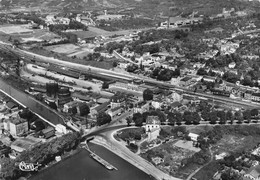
[[108, 140]]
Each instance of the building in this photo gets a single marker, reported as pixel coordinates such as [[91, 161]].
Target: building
[[209, 79], [100, 108], [152, 127], [157, 104], [232, 65], [115, 111], [141, 107], [152, 123], [175, 81], [255, 97], [68, 107], [48, 132], [11, 105], [22, 144], [253, 173], [16, 126], [193, 136], [175, 97], [185, 81], [117, 101], [248, 95], [174, 22]]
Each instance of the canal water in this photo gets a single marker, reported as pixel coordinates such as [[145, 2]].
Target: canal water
[[82, 167]]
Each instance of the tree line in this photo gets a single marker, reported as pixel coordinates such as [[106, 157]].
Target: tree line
[[42, 154]]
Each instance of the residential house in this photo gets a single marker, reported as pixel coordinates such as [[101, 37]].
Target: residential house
[[185, 81], [100, 108], [11, 105], [22, 144], [175, 97], [232, 65], [255, 97], [175, 106], [175, 81], [141, 107], [193, 136], [209, 79], [218, 71], [80, 97], [152, 127], [68, 107], [48, 132], [117, 101], [157, 104], [253, 173], [115, 111], [248, 95], [16, 126]]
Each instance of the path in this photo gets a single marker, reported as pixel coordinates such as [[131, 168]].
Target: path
[[197, 170]]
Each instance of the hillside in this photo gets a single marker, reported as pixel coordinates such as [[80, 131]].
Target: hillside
[[149, 8]]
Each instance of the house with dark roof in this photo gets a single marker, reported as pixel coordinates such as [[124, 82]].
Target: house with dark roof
[[185, 81], [115, 111], [255, 97], [152, 122], [100, 108], [11, 105], [48, 132], [253, 173]]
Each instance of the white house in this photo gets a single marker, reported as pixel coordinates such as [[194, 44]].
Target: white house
[[175, 81], [152, 127], [193, 136], [157, 104], [253, 173], [232, 65]]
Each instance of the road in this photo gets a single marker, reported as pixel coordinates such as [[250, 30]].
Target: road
[[104, 72], [42, 71], [107, 139]]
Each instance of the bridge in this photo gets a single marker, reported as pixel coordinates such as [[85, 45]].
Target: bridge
[[119, 56]]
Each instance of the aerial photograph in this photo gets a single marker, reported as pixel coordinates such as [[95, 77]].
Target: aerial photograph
[[129, 89]]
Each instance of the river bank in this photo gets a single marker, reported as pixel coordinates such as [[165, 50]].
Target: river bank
[[81, 166]]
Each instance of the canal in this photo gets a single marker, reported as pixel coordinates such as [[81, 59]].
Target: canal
[[31, 103], [82, 167]]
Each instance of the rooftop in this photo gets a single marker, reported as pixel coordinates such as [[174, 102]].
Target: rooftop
[[153, 120]]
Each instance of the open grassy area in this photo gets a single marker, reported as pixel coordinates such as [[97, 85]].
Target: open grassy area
[[207, 172], [235, 143], [172, 157], [106, 64]]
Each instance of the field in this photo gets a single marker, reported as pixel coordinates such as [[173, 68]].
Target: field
[[172, 153], [235, 143], [16, 29], [63, 48]]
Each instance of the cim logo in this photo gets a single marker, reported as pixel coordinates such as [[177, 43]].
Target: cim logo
[[28, 166]]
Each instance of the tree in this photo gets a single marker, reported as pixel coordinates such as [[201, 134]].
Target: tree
[[201, 72], [213, 117], [128, 121], [103, 118], [171, 118], [178, 117], [196, 118], [187, 117], [222, 117], [83, 109], [239, 117], [138, 119], [114, 64], [254, 112], [247, 115], [230, 116], [147, 95]]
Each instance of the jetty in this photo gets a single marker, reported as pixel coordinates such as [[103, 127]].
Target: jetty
[[98, 158]]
